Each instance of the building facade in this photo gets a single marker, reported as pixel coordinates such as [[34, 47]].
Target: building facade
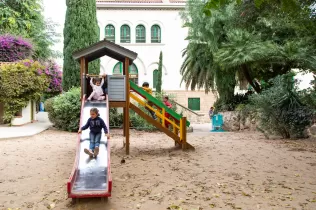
[[149, 27]]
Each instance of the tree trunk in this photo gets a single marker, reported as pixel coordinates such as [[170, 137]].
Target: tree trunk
[[246, 73]]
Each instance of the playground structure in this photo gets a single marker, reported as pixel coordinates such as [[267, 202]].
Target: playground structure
[[92, 177], [217, 123]]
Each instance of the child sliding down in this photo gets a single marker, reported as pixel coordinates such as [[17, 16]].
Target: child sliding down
[[97, 93], [96, 124]]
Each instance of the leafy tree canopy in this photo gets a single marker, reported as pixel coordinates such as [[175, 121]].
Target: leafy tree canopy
[[291, 6], [24, 18], [245, 41]]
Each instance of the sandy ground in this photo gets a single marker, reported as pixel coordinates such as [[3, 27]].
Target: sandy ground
[[227, 171]]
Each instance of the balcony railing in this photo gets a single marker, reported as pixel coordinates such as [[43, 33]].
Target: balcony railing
[[155, 40], [110, 38], [125, 40], [140, 39]]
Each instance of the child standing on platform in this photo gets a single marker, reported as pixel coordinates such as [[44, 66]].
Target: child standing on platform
[[96, 123], [97, 93], [169, 105], [145, 87]]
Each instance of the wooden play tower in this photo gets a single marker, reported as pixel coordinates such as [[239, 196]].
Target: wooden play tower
[[125, 94]]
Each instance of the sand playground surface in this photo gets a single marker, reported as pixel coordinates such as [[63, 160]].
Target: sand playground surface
[[226, 171]]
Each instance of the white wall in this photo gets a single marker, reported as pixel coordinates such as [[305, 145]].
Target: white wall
[[172, 43], [304, 80], [26, 115]]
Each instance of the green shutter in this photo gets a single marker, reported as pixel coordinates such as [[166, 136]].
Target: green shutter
[[125, 34], [155, 34], [140, 34], [194, 104], [110, 33], [155, 78]]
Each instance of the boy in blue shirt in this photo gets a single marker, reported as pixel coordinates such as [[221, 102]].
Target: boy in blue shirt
[[96, 124]]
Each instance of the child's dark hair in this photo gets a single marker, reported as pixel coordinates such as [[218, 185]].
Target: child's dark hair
[[145, 84], [95, 110], [166, 97], [97, 80]]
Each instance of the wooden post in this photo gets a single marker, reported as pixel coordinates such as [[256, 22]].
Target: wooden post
[[183, 134], [86, 69], [82, 70], [126, 117], [163, 117], [124, 134]]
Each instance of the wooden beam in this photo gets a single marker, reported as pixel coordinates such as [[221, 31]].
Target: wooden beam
[[82, 70], [183, 130], [117, 104], [126, 119], [155, 123]]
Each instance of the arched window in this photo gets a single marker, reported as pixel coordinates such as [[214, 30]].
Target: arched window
[[155, 78], [110, 33], [155, 34], [125, 34], [133, 71], [118, 68], [140, 34]]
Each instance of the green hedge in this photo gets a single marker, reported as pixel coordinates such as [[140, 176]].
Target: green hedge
[[64, 110]]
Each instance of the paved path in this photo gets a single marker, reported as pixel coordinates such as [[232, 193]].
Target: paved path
[[26, 130], [205, 127]]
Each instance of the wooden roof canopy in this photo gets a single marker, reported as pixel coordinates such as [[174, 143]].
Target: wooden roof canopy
[[103, 48]]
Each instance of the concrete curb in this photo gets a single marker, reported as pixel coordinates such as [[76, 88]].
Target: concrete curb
[[27, 130]]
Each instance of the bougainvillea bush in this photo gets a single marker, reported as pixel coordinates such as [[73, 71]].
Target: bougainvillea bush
[[55, 76], [14, 48], [21, 82]]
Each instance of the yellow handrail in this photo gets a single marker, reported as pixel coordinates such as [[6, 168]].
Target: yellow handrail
[[158, 114]]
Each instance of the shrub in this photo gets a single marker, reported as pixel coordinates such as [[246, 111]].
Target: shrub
[[281, 110], [232, 103], [14, 48], [136, 121], [308, 96], [139, 123], [64, 110], [55, 76], [19, 83], [49, 109], [116, 119]]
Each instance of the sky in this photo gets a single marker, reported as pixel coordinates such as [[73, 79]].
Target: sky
[[56, 10]]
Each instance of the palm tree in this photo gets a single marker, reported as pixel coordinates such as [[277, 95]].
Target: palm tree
[[225, 46], [199, 70]]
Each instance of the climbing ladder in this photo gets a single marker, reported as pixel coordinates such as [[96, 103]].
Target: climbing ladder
[[179, 123]]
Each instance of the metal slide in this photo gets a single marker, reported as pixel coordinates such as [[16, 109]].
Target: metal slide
[[91, 177]]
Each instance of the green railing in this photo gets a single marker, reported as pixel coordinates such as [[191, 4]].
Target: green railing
[[157, 102]]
